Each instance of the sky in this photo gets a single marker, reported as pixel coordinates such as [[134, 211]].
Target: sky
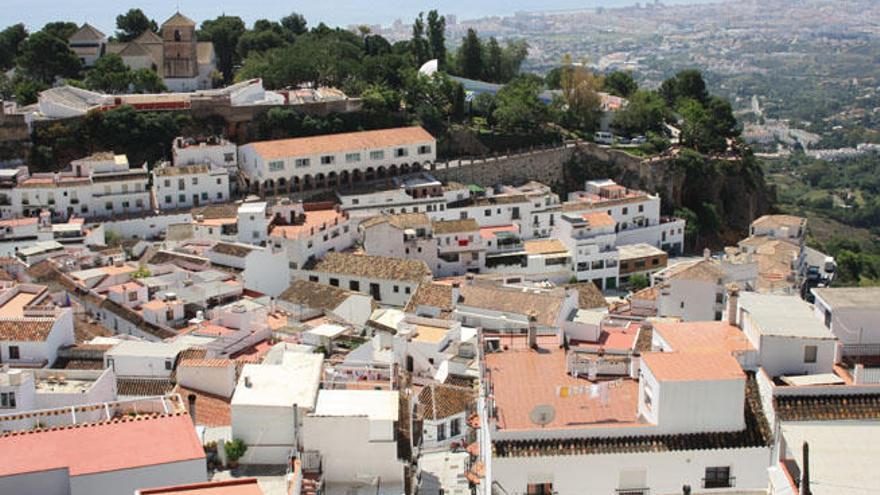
[[102, 13]]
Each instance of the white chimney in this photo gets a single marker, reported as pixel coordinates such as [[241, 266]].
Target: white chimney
[[732, 304]]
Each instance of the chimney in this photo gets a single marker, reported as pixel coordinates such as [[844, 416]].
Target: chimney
[[533, 330], [456, 292], [732, 303], [191, 399], [805, 471]]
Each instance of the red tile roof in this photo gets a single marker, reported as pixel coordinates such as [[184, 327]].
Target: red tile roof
[[684, 367], [206, 363], [211, 410], [125, 443], [26, 329], [335, 143], [703, 336]]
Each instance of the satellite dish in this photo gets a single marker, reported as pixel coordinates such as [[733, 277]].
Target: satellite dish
[[543, 415]]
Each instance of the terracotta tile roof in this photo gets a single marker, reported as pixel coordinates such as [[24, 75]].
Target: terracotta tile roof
[[336, 143], [545, 246], [314, 295], [684, 366], [589, 296], [431, 294], [546, 306], [211, 410], [205, 363], [442, 401], [78, 364], [599, 219], [143, 387], [231, 249], [702, 270], [25, 329], [455, 226], [703, 337], [225, 210], [756, 434], [90, 448], [379, 267], [776, 221], [400, 220], [524, 379], [647, 294], [827, 407]]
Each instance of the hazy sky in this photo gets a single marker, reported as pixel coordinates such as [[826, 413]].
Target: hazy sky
[[102, 13]]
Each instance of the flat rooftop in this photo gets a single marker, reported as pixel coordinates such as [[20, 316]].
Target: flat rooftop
[[527, 378], [314, 222], [703, 337], [294, 381], [783, 316], [635, 251], [14, 307], [378, 405], [850, 297], [689, 367]]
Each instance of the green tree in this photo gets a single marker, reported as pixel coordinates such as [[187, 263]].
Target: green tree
[[515, 52], [553, 79], [494, 71], [132, 24], [60, 29], [25, 90], [437, 37], [420, 47], [45, 57], [620, 83], [295, 23], [470, 56], [263, 37], [688, 83], [582, 108], [646, 111], [109, 75], [147, 81], [10, 41], [224, 32], [639, 281], [518, 106]]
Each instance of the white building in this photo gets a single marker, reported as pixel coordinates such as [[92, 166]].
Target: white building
[[387, 280], [305, 299], [101, 185], [591, 240], [270, 402], [691, 290], [32, 328], [783, 227], [23, 390], [264, 270], [111, 457], [139, 359], [444, 410], [211, 151], [789, 338], [636, 213], [307, 232], [356, 434], [190, 186], [416, 194], [253, 223], [851, 313], [320, 161]]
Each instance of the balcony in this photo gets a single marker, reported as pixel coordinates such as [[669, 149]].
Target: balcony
[[729, 482]]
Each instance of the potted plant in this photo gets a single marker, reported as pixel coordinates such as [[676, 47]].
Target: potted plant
[[234, 450]]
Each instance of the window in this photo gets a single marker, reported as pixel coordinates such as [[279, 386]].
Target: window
[[301, 162], [169, 364], [167, 199], [441, 432], [424, 149], [334, 282], [204, 196], [717, 477], [400, 152], [219, 181], [7, 400], [132, 296], [641, 208], [276, 165], [354, 285], [219, 195], [352, 157], [377, 155], [195, 181], [539, 489], [455, 427], [14, 352], [328, 160], [108, 205], [181, 198], [811, 352], [487, 212], [139, 203], [125, 204], [406, 290], [181, 184], [228, 157], [625, 210], [396, 289]]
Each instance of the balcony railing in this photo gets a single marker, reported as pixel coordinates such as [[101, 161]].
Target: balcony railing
[[730, 482]]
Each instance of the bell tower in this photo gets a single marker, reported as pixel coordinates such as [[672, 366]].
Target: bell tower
[[180, 57]]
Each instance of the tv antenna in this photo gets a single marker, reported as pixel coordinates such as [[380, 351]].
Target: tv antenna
[[542, 415]]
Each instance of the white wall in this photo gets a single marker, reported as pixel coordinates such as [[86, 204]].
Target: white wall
[[266, 272], [125, 482], [664, 472], [52, 482], [386, 287], [348, 454], [785, 355], [268, 432], [212, 187], [146, 227], [217, 380], [690, 300]]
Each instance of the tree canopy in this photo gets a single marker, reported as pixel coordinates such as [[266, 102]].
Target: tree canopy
[[132, 24]]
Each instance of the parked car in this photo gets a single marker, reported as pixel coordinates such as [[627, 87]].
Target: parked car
[[639, 140], [604, 138]]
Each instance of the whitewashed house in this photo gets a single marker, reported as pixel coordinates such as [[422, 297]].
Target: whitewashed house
[[190, 186], [444, 410]]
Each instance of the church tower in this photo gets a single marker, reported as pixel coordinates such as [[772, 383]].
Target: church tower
[[180, 56]]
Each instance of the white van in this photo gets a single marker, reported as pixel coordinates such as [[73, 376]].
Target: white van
[[604, 138]]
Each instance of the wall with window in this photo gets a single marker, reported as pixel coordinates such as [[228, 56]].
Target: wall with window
[[188, 191], [796, 355], [635, 473], [443, 432], [690, 300], [389, 292]]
